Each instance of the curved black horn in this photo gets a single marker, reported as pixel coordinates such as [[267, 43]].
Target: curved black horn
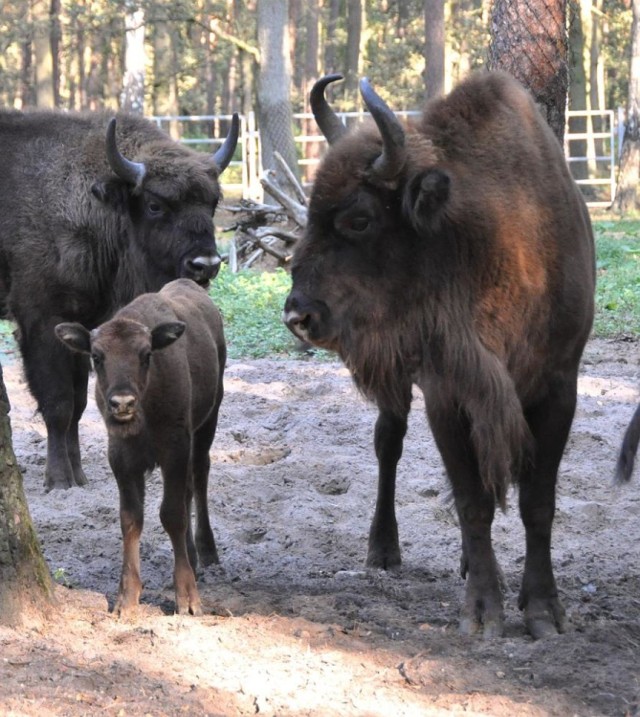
[[390, 163], [328, 121], [131, 172], [224, 153]]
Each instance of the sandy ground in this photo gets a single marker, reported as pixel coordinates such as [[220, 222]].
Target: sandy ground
[[294, 624]]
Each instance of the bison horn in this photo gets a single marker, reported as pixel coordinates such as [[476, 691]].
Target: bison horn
[[390, 163], [130, 172], [224, 153], [330, 124]]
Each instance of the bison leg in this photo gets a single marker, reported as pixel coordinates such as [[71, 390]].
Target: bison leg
[[482, 609], [202, 440], [174, 516], [550, 422], [54, 376], [131, 489], [384, 546]]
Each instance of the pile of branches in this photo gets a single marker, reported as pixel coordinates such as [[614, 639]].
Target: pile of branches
[[272, 230]]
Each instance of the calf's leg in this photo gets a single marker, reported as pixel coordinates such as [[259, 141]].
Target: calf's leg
[[176, 465], [550, 422], [482, 610], [131, 488], [202, 440]]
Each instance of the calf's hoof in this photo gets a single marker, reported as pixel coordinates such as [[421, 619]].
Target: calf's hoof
[[488, 624]]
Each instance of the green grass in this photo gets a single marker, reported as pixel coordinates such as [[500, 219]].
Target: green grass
[[618, 280], [251, 304]]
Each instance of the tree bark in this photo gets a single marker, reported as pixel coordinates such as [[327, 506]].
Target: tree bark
[[275, 117], [354, 34], [132, 96], [529, 40], [26, 587], [626, 198], [40, 10], [578, 86], [434, 52]]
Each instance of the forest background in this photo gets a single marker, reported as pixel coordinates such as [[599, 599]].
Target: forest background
[[203, 57]]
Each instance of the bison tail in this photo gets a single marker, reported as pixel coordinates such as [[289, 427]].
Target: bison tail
[[628, 449]]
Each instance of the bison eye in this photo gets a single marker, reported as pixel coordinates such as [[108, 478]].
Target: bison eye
[[145, 359], [154, 208], [359, 224], [97, 359]]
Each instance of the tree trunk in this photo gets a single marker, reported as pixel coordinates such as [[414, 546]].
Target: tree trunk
[[330, 44], [312, 150], [274, 107], [578, 87], [434, 48], [626, 199], [55, 39], [42, 50], [26, 587], [529, 40], [132, 96], [354, 34]]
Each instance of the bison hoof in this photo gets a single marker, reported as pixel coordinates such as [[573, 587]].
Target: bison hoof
[[544, 618], [383, 559]]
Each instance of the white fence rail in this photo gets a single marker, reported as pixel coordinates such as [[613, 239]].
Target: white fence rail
[[590, 148]]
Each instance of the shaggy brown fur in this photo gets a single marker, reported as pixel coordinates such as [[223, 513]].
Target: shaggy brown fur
[[470, 273]]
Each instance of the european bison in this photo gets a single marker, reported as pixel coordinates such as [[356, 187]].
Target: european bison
[[160, 401], [83, 230], [456, 253], [628, 449]]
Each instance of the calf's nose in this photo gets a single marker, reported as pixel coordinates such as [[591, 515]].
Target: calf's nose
[[122, 403]]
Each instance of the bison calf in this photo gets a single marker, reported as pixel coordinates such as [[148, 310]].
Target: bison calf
[[159, 364], [456, 253]]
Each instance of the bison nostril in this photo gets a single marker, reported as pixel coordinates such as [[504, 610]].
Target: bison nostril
[[203, 267], [122, 403]]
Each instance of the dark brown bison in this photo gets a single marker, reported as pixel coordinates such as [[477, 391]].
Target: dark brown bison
[[456, 253], [628, 449], [85, 226], [160, 402]]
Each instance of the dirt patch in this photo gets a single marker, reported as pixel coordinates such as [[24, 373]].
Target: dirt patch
[[294, 624]]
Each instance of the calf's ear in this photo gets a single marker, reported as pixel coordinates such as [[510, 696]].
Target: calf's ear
[[75, 336], [164, 335], [425, 197]]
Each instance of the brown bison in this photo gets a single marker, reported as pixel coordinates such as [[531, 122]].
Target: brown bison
[[160, 402], [85, 226], [456, 253], [628, 449]]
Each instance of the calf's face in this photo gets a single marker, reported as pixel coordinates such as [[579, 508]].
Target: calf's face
[[121, 351]]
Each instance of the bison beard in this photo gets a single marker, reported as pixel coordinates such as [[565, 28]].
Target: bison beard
[[87, 224], [456, 254]]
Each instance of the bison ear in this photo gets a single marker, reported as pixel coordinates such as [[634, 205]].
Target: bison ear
[[425, 197], [112, 193], [75, 336], [164, 335]]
